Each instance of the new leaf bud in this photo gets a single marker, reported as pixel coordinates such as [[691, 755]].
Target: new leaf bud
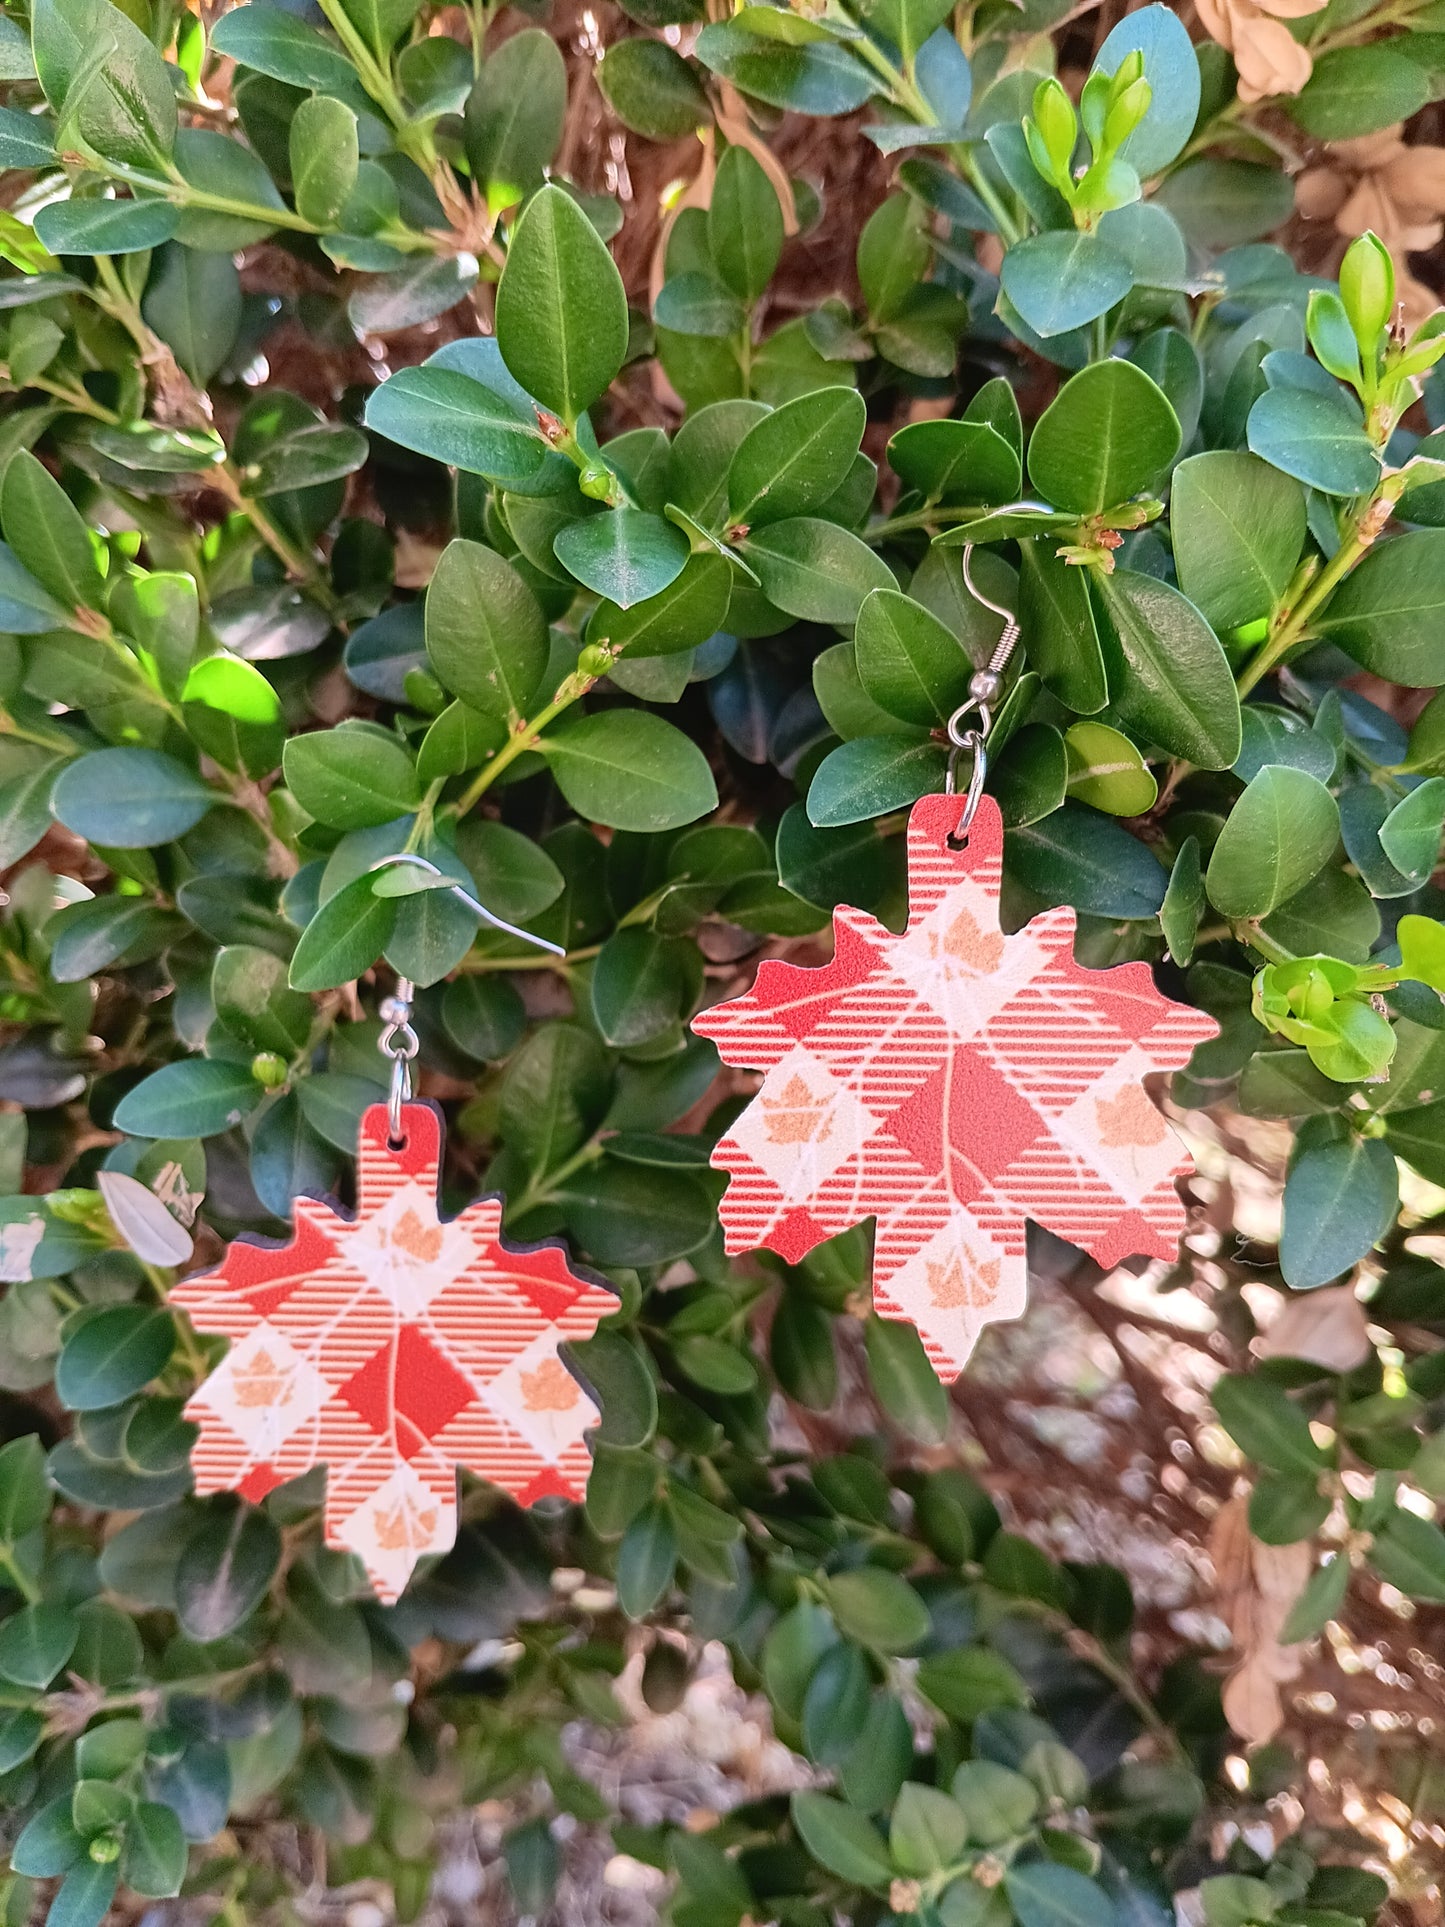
[[1367, 288], [1057, 125]]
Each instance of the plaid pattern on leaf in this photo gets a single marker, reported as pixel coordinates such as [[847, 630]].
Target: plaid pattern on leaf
[[953, 1082], [393, 1347]]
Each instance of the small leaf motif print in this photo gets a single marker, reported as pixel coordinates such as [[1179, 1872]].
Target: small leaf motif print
[[405, 1526], [261, 1382], [420, 1241], [384, 1347], [551, 1388], [795, 1116], [1129, 1119], [968, 1116], [981, 950], [964, 1281]]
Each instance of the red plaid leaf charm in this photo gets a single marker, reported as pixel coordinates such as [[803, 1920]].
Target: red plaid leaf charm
[[392, 1348], [953, 1082]]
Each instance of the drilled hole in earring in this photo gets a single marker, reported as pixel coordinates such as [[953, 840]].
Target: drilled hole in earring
[[956, 840], [396, 1143]]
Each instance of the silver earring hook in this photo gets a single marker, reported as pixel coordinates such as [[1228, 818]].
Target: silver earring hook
[[399, 1042], [984, 689], [462, 896]]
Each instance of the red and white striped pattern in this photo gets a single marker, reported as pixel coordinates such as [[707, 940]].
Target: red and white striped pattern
[[953, 1083], [391, 1348]]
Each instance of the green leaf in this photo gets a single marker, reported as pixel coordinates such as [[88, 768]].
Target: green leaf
[[744, 224], [908, 662], [48, 1843], [1267, 1426], [1171, 68], [815, 570], [555, 1094], [114, 1353], [154, 1862], [561, 310], [1173, 684], [26, 609], [1045, 1895], [43, 527], [225, 1571], [1339, 1200], [612, 1369], [814, 78], [1317, 437], [1108, 433], [629, 769], [928, 1830], [234, 714], [193, 302], [1106, 771], [35, 1643], [25, 810], [25, 1499], [381, 22], [219, 167], [1059, 281], [904, 1381], [191, 1098], [1387, 612], [652, 89], [1286, 1507], [83, 1898], [872, 776], [1410, 1554], [626, 555], [958, 461], [697, 304], [1183, 904], [105, 79], [344, 938], [641, 984], [836, 1705], [878, 1609], [646, 1559], [1410, 834], [998, 1803], [791, 461], [1057, 615], [828, 867], [970, 1681], [1280, 833], [352, 777], [106, 227], [324, 158], [26, 140], [1319, 1603], [691, 608], [1078, 857], [486, 637], [514, 119], [841, 1840], [450, 416], [1238, 527], [271, 41], [129, 799], [1358, 90]]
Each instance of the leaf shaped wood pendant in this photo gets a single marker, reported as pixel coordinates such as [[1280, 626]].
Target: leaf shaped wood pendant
[[954, 1082]]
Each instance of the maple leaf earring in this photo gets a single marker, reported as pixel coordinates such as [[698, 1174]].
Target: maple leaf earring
[[393, 1346], [954, 1082]]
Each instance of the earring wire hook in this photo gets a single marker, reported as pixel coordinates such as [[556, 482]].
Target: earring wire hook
[[984, 689], [399, 1042]]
